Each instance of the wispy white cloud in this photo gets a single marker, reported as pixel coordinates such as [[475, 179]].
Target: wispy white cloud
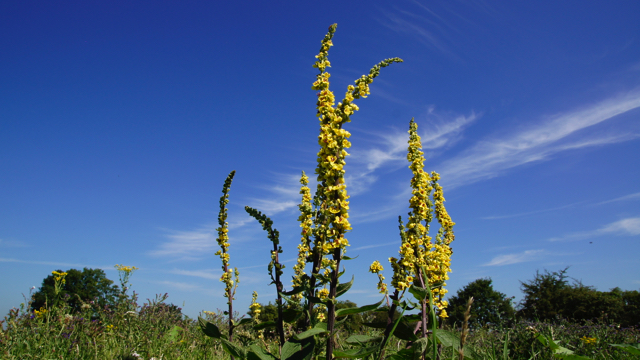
[[630, 197], [499, 217], [182, 286], [13, 244], [635, 196], [55, 263], [187, 245], [628, 227], [492, 157], [509, 259], [427, 27], [205, 274], [377, 245], [438, 130]]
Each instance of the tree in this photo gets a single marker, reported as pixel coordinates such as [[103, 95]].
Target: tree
[[79, 286], [489, 306], [550, 295], [541, 295]]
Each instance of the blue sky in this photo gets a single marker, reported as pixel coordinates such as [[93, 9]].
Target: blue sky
[[119, 122]]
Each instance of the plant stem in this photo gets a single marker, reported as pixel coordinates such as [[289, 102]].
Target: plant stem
[[279, 290], [331, 306]]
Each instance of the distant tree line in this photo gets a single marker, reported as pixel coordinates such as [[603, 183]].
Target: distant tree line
[[548, 296]]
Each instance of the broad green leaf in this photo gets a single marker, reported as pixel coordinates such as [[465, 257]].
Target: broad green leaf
[[257, 353], [321, 325], [404, 331], [289, 349], [243, 321], [404, 354], [264, 325], [343, 288], [452, 340], [174, 333], [376, 325], [355, 353], [311, 332], [412, 317], [632, 349], [357, 310], [290, 315], [419, 292], [298, 349], [419, 347], [317, 300], [209, 329], [295, 290], [361, 339], [344, 257], [233, 349]]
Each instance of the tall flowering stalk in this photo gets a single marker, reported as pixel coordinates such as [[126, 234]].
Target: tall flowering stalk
[[417, 251], [223, 253], [332, 221], [306, 223], [274, 235]]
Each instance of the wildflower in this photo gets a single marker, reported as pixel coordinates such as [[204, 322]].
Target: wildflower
[[323, 293], [417, 249], [376, 267], [40, 313], [588, 340]]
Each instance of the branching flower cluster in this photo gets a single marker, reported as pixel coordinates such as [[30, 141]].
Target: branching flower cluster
[[417, 249]]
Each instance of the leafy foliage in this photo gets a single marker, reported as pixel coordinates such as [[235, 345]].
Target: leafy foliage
[[550, 296], [80, 286], [490, 307]]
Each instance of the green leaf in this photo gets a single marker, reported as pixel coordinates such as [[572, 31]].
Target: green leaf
[[343, 288], [412, 317], [243, 321], [355, 353], [233, 349], [174, 333], [344, 257], [321, 325], [404, 354], [264, 325], [295, 290], [257, 353], [311, 332], [361, 339], [357, 310], [450, 339], [419, 292], [376, 325], [209, 329], [298, 349], [419, 347], [404, 331], [317, 300], [290, 315], [632, 349]]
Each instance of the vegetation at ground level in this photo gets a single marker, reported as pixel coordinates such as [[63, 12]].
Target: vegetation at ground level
[[156, 329]]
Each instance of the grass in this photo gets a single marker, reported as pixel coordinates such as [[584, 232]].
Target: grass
[[156, 330]]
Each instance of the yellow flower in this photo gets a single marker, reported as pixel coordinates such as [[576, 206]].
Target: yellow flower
[[376, 267], [323, 293]]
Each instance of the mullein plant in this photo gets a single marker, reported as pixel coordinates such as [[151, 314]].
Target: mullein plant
[[324, 220], [223, 240], [331, 198], [423, 264]]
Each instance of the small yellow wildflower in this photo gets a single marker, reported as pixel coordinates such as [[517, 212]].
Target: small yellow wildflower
[[323, 293], [376, 267], [588, 340]]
